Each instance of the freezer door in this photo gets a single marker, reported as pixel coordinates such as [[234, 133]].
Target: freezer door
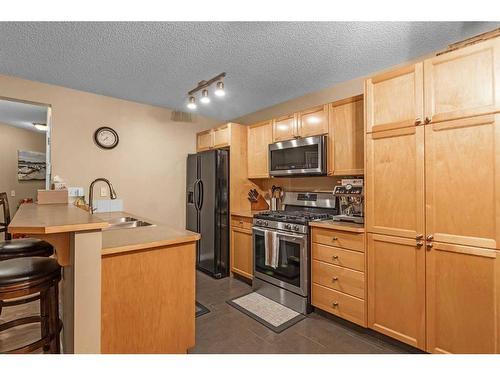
[[207, 193], [222, 214], [192, 221]]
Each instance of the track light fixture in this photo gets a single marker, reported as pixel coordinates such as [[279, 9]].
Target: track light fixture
[[203, 87]]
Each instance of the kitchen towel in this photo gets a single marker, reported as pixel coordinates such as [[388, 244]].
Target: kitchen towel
[[271, 244]]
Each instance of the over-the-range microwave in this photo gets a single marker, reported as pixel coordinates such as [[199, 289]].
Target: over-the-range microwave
[[298, 157]]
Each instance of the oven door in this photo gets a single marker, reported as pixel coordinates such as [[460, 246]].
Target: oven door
[[304, 156], [291, 273]]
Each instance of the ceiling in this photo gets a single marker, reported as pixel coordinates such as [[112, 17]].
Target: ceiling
[[266, 62], [22, 115]]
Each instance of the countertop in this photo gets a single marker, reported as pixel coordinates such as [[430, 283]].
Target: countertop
[[32, 218], [123, 240], [338, 225], [246, 213]]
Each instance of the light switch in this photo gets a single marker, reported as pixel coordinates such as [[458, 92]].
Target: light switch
[[12, 193], [104, 191]]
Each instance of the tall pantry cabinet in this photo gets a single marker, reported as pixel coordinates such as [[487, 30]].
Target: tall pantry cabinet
[[433, 201]]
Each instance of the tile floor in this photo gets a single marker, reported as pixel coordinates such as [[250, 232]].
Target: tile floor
[[227, 330]]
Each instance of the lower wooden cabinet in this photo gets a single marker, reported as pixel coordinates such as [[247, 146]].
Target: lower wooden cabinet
[[463, 299], [396, 288], [241, 250]]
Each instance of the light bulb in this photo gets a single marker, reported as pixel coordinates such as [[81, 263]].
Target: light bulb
[[204, 97], [192, 103], [219, 91]]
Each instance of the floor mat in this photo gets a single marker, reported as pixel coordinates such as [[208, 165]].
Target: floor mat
[[273, 315], [200, 310]]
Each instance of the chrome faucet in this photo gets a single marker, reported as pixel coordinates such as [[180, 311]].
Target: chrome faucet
[[112, 193]]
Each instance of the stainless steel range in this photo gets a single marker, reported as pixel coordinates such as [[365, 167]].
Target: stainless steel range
[[281, 248]]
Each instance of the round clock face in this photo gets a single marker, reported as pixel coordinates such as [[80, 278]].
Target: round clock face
[[106, 138]]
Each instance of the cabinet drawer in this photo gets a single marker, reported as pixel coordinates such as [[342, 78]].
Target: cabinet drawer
[[340, 304], [339, 278], [339, 257], [241, 222], [338, 238]]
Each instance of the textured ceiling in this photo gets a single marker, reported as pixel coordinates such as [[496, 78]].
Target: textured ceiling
[[22, 115], [266, 62]]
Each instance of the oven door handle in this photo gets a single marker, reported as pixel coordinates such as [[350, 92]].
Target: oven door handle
[[280, 233]]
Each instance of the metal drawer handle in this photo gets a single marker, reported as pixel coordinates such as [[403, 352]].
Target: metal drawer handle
[[335, 257], [335, 278], [335, 304], [335, 238]]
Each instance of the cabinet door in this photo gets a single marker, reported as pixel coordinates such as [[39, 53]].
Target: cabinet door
[[205, 140], [463, 181], [313, 121], [242, 252], [395, 182], [346, 137], [259, 137], [285, 128], [396, 288], [463, 83], [394, 99], [462, 299], [222, 136]]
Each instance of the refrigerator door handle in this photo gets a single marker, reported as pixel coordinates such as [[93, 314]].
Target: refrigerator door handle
[[195, 193], [200, 189]]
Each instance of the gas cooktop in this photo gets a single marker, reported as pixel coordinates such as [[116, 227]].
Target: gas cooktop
[[297, 217]]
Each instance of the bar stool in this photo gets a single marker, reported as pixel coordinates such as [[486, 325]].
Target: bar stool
[[25, 276], [25, 247]]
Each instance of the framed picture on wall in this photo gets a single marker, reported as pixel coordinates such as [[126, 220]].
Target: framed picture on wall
[[31, 165]]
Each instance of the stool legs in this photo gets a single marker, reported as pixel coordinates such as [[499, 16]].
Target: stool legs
[[54, 321], [44, 319]]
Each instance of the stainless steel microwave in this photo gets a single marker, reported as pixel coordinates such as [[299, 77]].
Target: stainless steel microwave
[[298, 157]]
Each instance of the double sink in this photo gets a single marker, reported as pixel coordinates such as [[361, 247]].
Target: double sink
[[127, 222]]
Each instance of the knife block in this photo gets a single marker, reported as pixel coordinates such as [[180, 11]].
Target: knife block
[[260, 205]]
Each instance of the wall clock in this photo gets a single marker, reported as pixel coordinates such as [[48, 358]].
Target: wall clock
[[106, 138]]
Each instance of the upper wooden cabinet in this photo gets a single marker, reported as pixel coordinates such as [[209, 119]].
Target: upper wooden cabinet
[[395, 99], [346, 137], [204, 140], [462, 163], [463, 83], [214, 138], [313, 121], [285, 128], [396, 288], [463, 308], [259, 137], [395, 182]]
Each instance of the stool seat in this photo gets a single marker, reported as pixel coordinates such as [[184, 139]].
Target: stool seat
[[25, 247], [20, 270]]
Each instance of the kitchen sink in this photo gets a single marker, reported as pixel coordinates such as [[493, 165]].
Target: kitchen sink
[[127, 222]]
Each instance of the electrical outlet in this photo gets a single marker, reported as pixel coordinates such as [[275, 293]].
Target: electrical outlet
[[104, 191], [12, 193]]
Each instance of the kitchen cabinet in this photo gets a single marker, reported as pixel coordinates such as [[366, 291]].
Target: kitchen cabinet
[[313, 121], [204, 140], [463, 83], [337, 273], [462, 299], [241, 247], [285, 128], [395, 99], [462, 193], [396, 288], [222, 136], [259, 137], [395, 182], [346, 137]]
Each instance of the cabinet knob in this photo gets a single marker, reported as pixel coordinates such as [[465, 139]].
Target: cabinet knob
[[418, 122], [335, 278], [429, 246], [241, 221], [335, 304], [428, 120], [335, 238], [335, 257], [430, 237], [420, 244], [419, 236]]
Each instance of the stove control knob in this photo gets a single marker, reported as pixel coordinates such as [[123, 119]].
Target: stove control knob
[[295, 227], [288, 226], [258, 222], [266, 223]]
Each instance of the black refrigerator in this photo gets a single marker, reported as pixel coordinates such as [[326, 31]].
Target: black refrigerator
[[207, 209]]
